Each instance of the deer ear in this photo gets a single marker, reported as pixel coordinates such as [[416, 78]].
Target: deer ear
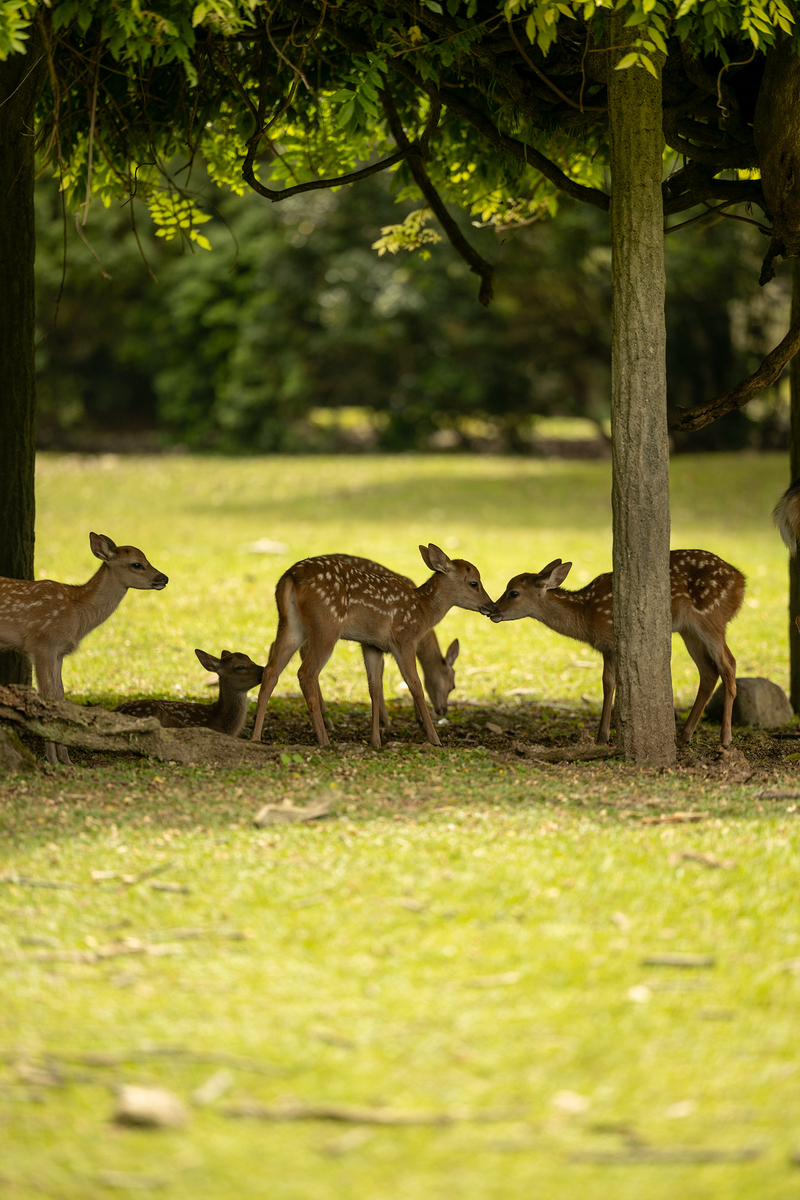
[[226, 654], [207, 660], [546, 570], [558, 574], [102, 546], [452, 653], [434, 558]]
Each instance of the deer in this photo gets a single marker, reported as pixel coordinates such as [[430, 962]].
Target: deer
[[437, 668], [46, 620], [227, 714], [324, 599], [786, 516], [707, 593]]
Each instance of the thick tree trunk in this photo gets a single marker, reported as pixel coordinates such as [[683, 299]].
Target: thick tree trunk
[[640, 451], [794, 461], [20, 82]]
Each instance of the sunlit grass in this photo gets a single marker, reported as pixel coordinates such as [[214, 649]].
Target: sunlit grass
[[468, 931], [197, 520]]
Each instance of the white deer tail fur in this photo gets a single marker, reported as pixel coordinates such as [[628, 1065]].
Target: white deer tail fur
[[786, 516]]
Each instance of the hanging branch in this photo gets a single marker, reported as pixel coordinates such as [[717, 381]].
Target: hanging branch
[[767, 374], [476, 263], [580, 107]]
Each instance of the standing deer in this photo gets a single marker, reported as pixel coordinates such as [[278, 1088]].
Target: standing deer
[[786, 515], [47, 620], [706, 594], [227, 714], [321, 600], [437, 668]]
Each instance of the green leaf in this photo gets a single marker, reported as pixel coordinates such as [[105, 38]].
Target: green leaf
[[627, 61]]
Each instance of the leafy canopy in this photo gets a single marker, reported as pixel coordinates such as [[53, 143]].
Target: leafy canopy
[[498, 107]]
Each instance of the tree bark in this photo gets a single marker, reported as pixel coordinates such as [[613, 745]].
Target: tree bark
[[639, 438], [21, 77], [794, 461]]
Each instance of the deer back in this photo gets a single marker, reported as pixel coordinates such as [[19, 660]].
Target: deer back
[[707, 592]]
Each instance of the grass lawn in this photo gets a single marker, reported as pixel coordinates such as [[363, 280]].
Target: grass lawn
[[471, 935]]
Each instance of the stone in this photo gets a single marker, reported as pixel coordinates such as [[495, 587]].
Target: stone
[[149, 1107], [758, 702]]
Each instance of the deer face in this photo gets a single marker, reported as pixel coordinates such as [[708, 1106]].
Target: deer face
[[236, 670], [128, 563], [526, 595], [466, 589], [440, 684]]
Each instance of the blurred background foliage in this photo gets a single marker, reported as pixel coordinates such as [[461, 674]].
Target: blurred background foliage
[[292, 334]]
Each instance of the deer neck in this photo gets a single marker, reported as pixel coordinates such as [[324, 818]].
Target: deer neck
[[434, 602], [97, 599], [563, 612], [230, 711]]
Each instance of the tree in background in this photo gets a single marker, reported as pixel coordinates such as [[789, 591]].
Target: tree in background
[[234, 350]]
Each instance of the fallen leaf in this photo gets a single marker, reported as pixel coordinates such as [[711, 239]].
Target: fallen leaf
[[278, 814], [505, 979], [571, 1102], [214, 1087]]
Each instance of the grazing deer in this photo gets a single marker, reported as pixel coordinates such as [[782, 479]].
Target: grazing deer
[[321, 600], [437, 668], [47, 620], [227, 714], [706, 594]]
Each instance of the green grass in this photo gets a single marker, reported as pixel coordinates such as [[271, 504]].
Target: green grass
[[466, 931]]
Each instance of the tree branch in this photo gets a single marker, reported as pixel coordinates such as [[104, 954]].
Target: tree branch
[[478, 265], [767, 374], [248, 174]]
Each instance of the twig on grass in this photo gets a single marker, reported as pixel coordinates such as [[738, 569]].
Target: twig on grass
[[679, 960], [132, 880], [677, 818], [666, 1154], [359, 1114], [219, 1058], [26, 881], [706, 860], [566, 753]]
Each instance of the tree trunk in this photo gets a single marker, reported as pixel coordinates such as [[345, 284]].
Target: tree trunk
[[20, 84], [640, 451], [794, 462]]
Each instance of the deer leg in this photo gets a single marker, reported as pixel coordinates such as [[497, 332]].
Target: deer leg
[[373, 661], [319, 648], [48, 681], [609, 683], [727, 670], [383, 716], [322, 708], [709, 674], [286, 642], [407, 662]]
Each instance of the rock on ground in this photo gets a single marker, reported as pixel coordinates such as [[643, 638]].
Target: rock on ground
[[758, 702], [151, 1107]]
